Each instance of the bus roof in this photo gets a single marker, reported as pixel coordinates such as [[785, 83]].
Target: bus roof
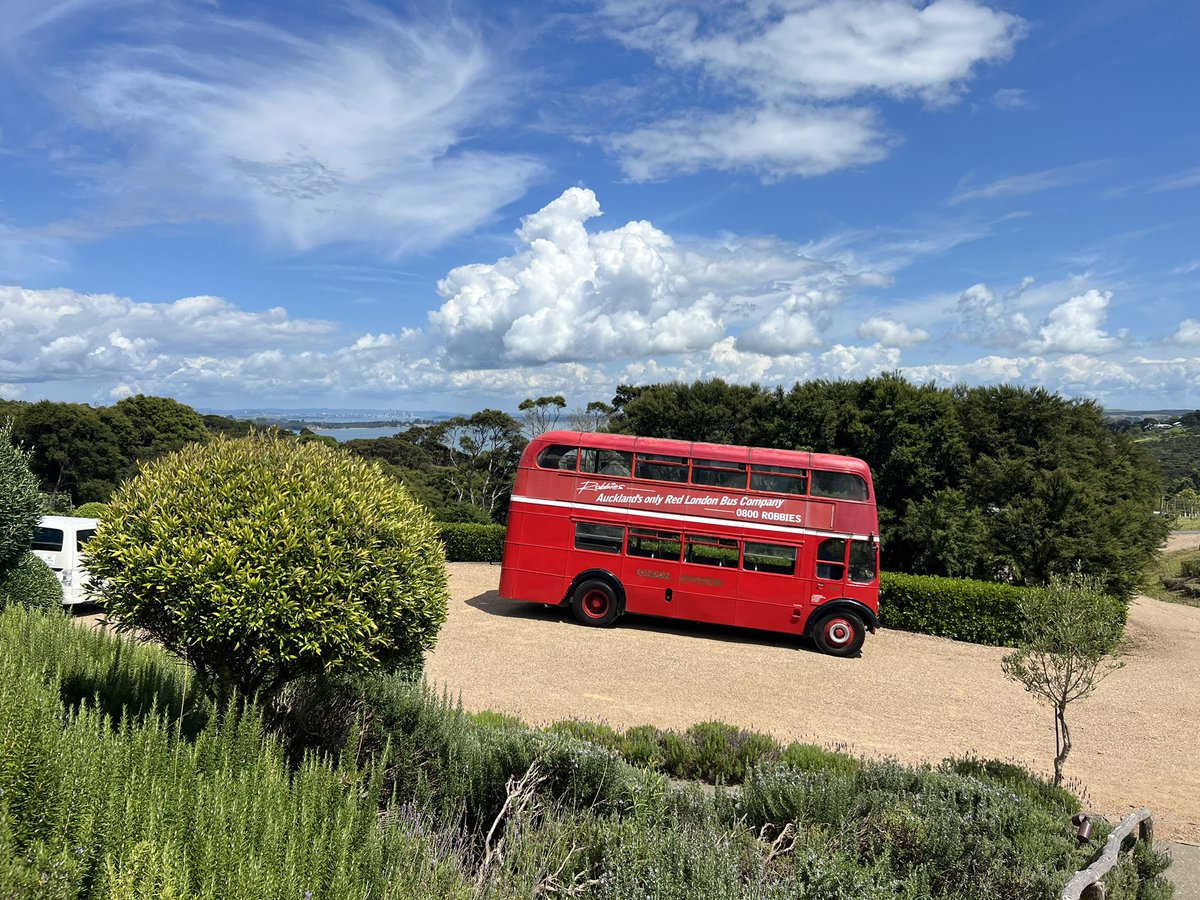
[[731, 452]]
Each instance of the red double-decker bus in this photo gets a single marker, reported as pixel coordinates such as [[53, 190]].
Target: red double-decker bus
[[748, 536]]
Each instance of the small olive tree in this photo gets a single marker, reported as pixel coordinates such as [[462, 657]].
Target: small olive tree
[[1071, 630], [263, 559]]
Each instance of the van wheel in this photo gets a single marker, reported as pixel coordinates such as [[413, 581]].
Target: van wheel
[[840, 634], [594, 603]]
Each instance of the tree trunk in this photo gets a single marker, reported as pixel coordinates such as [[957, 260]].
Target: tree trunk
[[1062, 742]]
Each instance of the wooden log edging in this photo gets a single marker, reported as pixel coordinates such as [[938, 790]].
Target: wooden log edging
[[1085, 883]]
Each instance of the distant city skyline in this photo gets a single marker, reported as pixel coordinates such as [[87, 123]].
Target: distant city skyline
[[457, 206]]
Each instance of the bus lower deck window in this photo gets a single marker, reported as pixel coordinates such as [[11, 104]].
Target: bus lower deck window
[[862, 561], [776, 558], [654, 544], [595, 536]]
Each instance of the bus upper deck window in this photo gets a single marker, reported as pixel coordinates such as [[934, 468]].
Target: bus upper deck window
[[839, 485], [558, 456], [778, 479], [658, 467], [719, 473]]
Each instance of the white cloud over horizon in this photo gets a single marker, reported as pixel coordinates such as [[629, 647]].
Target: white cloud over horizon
[[577, 311]]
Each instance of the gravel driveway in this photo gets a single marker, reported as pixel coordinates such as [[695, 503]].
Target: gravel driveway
[[909, 696]]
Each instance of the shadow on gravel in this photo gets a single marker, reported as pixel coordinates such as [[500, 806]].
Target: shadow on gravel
[[493, 604]]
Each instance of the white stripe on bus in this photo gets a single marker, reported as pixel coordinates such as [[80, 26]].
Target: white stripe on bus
[[699, 520]]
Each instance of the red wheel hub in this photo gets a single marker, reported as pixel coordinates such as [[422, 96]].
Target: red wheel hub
[[595, 604], [838, 632]]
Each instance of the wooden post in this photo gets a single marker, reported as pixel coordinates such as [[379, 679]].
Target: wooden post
[[1086, 883]]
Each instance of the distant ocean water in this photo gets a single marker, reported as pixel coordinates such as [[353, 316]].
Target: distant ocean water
[[353, 434]]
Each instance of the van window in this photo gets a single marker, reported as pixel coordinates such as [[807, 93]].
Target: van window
[[82, 537], [47, 539]]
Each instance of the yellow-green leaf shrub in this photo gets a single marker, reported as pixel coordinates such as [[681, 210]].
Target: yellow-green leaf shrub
[[262, 559]]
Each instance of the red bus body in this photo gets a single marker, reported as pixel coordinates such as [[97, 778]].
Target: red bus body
[[778, 540]]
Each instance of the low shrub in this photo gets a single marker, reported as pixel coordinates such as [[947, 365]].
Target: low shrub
[[980, 612], [594, 732], [467, 542], [811, 758], [30, 583], [91, 510]]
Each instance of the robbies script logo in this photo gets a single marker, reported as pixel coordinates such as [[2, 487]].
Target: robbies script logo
[[599, 486]]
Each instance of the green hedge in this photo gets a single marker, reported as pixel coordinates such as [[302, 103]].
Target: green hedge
[[981, 612], [30, 583], [467, 542]]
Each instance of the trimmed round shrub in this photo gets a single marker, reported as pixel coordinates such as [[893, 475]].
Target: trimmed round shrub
[[20, 503], [30, 583], [263, 559], [91, 510]]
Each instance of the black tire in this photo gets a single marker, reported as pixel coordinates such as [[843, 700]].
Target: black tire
[[840, 633], [594, 603]]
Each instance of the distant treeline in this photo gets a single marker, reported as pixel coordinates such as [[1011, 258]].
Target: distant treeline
[[997, 483]]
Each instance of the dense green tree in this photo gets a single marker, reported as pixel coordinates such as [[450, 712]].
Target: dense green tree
[[157, 426], [75, 450], [262, 559], [710, 411]]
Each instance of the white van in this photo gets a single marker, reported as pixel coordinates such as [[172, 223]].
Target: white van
[[58, 542]]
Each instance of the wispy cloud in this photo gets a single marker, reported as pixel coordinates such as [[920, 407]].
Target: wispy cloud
[[1178, 182], [1030, 182], [362, 132]]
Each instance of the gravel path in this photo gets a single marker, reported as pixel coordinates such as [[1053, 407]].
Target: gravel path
[[912, 697]]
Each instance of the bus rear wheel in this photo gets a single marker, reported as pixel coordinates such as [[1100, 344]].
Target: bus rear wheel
[[840, 634], [594, 603]]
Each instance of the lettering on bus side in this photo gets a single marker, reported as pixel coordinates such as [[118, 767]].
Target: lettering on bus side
[[697, 579], [654, 573]]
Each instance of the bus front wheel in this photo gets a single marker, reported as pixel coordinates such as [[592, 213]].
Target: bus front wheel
[[594, 603], [840, 634]]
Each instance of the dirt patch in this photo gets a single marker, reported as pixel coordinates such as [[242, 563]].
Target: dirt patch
[[911, 697]]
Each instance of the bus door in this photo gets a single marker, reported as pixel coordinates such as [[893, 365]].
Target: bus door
[[773, 590], [708, 580], [650, 571]]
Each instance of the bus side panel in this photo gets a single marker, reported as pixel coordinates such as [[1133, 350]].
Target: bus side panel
[[772, 602], [535, 556]]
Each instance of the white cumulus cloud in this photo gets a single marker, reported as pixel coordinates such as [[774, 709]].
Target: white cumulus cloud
[[780, 64], [570, 294], [890, 333], [1076, 326]]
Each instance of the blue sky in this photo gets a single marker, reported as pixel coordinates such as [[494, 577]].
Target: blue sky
[[449, 206]]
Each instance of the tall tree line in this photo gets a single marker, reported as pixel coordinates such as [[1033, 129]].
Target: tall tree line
[[998, 483]]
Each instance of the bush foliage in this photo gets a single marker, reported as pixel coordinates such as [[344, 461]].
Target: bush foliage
[[422, 800], [20, 503], [91, 510], [30, 583], [980, 612], [262, 559], [468, 542]]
